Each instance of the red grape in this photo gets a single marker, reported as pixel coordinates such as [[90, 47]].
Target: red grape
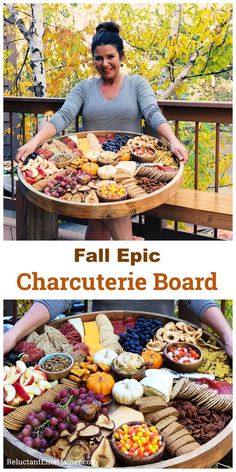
[[42, 416], [25, 432], [53, 421], [48, 432], [35, 422], [36, 443], [28, 441], [73, 419], [76, 409], [64, 393], [64, 400]]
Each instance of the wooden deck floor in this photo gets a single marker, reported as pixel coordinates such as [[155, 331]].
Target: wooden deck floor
[[67, 231]]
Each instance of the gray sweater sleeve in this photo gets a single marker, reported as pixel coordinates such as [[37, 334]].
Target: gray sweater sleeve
[[55, 306], [148, 104], [69, 109], [198, 307]]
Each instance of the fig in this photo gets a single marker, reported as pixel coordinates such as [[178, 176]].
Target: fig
[[103, 456], [88, 411]]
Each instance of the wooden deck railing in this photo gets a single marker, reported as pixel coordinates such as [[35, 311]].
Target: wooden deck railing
[[194, 113]]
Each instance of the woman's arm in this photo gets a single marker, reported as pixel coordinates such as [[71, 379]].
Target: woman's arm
[[48, 131], [214, 318], [37, 315], [57, 123], [40, 313], [148, 104], [165, 131], [210, 314]]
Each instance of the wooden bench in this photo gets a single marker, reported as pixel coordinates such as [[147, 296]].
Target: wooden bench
[[190, 206]]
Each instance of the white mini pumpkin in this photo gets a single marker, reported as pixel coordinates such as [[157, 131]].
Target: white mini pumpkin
[[106, 356], [127, 391], [106, 172]]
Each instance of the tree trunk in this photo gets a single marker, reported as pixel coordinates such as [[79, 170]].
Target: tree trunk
[[36, 50], [34, 37]]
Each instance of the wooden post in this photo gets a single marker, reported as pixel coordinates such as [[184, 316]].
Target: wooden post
[[153, 228], [32, 222]]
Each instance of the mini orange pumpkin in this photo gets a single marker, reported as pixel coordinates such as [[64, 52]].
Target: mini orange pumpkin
[[154, 357], [100, 382], [90, 168]]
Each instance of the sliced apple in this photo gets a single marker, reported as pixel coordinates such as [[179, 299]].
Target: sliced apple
[[31, 396], [8, 408], [33, 389], [10, 393], [11, 380], [20, 390], [17, 401], [21, 367], [39, 375], [44, 385], [27, 378]]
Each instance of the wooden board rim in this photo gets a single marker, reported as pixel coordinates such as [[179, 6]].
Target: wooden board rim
[[205, 456], [101, 210]]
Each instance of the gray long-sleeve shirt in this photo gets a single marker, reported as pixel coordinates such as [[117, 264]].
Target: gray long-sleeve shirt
[[166, 307], [124, 112]]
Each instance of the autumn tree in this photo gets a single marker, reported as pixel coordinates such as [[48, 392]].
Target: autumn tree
[[33, 34], [176, 47]]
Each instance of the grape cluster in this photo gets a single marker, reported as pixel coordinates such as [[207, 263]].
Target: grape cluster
[[115, 143], [65, 182], [135, 339], [44, 428]]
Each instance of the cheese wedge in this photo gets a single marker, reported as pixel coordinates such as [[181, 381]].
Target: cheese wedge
[[159, 384], [91, 337], [84, 145], [78, 325], [124, 414]]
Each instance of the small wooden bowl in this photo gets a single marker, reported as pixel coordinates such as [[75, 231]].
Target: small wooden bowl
[[139, 375], [106, 199], [132, 461], [179, 366], [57, 374], [144, 159], [64, 163], [101, 163]]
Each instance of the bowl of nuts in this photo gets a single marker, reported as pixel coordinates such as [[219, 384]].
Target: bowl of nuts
[[62, 159], [143, 153], [57, 365]]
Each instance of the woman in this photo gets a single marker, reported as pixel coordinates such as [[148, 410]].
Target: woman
[[113, 101]]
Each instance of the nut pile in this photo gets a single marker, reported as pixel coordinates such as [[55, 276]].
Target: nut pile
[[203, 424]]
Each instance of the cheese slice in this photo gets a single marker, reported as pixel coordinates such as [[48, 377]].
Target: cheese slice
[[75, 139], [159, 384], [91, 337], [78, 325], [84, 145], [128, 166], [124, 414]]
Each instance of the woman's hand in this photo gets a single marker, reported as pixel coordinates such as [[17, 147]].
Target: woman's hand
[[228, 342], [9, 341], [25, 151], [179, 150]]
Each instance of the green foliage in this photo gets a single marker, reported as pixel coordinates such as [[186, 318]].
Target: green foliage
[[159, 53]]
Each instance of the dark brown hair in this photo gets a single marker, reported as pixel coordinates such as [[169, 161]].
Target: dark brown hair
[[108, 33]]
